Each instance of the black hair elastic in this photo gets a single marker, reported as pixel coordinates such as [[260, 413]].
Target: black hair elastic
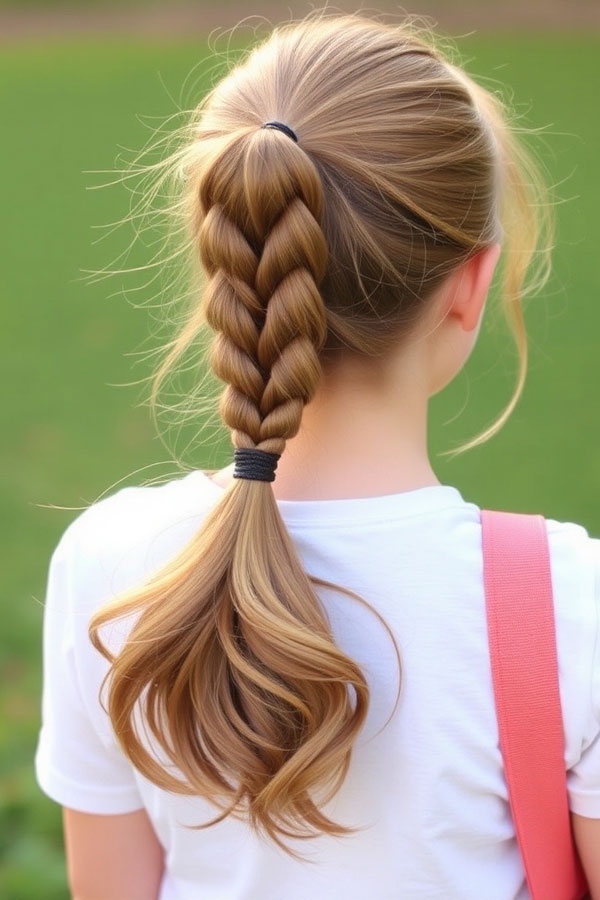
[[255, 464], [285, 128]]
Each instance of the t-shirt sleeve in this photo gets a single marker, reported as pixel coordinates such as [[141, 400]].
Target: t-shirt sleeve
[[583, 779], [75, 765]]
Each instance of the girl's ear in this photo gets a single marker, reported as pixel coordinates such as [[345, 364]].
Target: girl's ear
[[470, 285]]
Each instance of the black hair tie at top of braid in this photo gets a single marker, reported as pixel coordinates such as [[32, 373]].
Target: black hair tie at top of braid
[[285, 128], [255, 464]]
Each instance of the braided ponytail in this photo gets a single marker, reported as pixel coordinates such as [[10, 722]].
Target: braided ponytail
[[260, 675], [338, 243]]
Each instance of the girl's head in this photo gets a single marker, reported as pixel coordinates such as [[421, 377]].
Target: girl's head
[[384, 218]]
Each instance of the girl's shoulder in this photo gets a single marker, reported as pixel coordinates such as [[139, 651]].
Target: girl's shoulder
[[134, 512], [127, 535], [575, 572]]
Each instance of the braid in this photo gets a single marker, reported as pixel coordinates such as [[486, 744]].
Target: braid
[[267, 311]]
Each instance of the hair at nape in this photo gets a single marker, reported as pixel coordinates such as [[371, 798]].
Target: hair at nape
[[404, 166]]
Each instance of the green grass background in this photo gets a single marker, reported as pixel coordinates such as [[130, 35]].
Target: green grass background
[[68, 435]]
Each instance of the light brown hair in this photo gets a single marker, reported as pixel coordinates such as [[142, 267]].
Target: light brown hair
[[405, 166]]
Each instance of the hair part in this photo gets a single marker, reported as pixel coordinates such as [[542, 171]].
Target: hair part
[[404, 167]]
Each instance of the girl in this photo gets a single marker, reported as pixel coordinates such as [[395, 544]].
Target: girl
[[300, 702]]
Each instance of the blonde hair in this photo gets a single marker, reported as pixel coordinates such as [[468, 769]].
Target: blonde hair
[[404, 167]]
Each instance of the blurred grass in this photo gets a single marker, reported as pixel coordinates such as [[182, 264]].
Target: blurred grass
[[68, 107]]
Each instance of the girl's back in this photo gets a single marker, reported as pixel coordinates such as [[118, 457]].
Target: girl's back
[[429, 786]]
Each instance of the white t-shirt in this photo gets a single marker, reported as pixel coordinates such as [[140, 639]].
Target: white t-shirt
[[429, 787]]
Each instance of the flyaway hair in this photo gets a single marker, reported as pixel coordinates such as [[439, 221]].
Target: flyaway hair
[[405, 166]]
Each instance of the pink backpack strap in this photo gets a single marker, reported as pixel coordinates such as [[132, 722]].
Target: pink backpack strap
[[522, 644]]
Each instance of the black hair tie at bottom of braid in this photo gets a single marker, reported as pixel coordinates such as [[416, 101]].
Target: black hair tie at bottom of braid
[[255, 464]]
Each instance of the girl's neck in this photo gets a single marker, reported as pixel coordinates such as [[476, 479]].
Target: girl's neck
[[358, 438]]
